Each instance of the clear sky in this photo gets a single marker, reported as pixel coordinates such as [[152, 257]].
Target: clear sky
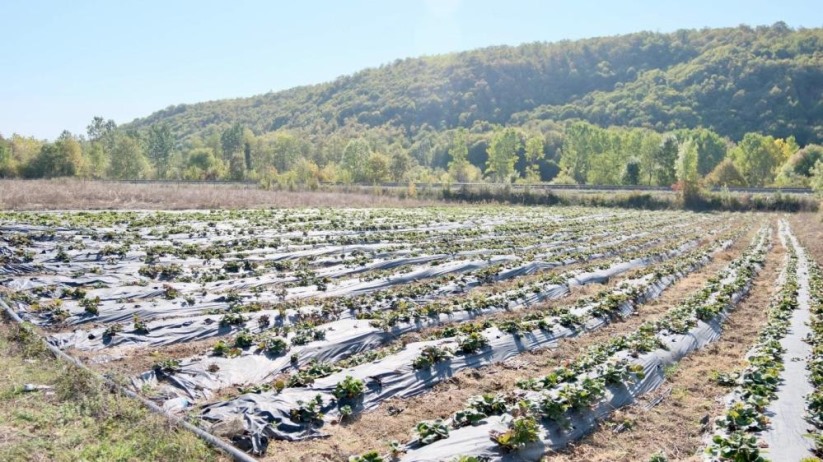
[[64, 61]]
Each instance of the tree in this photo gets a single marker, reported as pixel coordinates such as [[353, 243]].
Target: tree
[[711, 149], [377, 168], [231, 141], [160, 147], [64, 157], [8, 167], [688, 178], [502, 155], [631, 173], [817, 177], [576, 151], [355, 157], [399, 162], [534, 153], [725, 174], [127, 158], [203, 165], [757, 157], [459, 152], [664, 163]]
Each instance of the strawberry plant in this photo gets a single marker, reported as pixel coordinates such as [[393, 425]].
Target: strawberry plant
[[349, 388], [430, 431], [431, 355], [522, 430]]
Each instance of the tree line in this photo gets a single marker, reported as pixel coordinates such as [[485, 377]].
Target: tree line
[[572, 152]]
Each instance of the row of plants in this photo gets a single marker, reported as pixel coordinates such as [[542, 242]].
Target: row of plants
[[814, 401], [470, 336], [755, 386], [581, 384]]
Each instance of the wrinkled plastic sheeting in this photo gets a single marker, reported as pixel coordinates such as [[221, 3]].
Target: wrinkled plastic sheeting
[[346, 337], [786, 435], [475, 441], [395, 377]]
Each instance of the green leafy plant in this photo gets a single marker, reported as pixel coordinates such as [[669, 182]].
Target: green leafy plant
[[308, 412], [737, 447], [349, 388], [472, 342], [430, 431], [522, 430], [91, 305], [431, 355]]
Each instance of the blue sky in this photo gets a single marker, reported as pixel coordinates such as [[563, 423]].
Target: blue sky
[[63, 62]]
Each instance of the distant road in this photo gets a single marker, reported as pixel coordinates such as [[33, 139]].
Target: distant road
[[542, 187]]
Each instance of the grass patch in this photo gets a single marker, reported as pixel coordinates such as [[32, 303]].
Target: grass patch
[[78, 418]]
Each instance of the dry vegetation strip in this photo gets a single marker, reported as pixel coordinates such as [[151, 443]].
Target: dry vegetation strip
[[373, 430], [677, 425], [70, 194], [77, 418], [808, 227]]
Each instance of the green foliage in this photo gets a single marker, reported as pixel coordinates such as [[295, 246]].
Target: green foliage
[[371, 456], [430, 431], [349, 388], [737, 447], [522, 430], [502, 155], [431, 355]]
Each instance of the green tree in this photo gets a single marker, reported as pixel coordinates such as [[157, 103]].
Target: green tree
[[128, 161], [231, 140], [665, 161], [711, 149], [502, 155], [62, 158], [160, 147], [725, 174], [377, 168], [576, 151], [534, 153], [817, 177], [8, 167], [757, 157], [688, 178], [355, 158], [631, 172], [399, 162], [459, 152]]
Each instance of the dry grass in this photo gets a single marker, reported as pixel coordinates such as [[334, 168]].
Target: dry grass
[[377, 428], [808, 227], [79, 418], [73, 194], [678, 424]]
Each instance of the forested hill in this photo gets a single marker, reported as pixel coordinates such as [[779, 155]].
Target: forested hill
[[733, 81]]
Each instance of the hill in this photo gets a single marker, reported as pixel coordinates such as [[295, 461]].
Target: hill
[[732, 81]]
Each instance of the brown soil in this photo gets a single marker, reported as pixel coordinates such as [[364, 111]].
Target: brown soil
[[373, 430]]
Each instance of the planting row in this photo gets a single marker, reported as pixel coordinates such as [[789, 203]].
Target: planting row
[[553, 410]]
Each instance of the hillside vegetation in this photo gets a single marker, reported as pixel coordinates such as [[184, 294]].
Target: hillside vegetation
[[733, 81], [736, 106]]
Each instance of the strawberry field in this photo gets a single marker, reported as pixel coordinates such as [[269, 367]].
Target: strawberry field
[[456, 334]]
